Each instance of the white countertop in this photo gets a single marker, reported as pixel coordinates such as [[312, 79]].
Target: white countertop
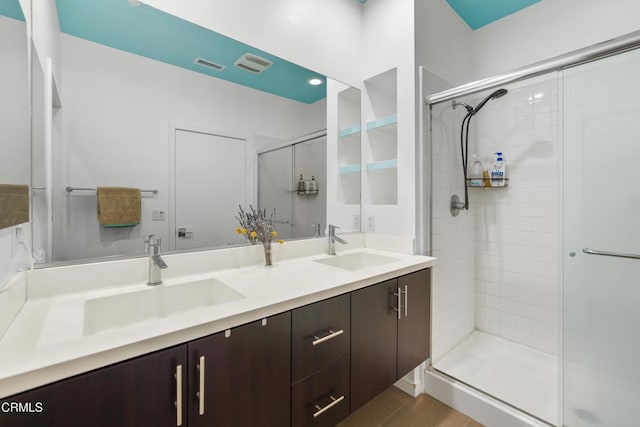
[[45, 342]]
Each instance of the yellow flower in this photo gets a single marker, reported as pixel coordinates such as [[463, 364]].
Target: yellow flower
[[238, 230], [244, 231], [253, 234], [274, 233], [281, 241]]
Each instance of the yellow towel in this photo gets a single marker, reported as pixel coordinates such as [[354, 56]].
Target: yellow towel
[[119, 206], [14, 205]]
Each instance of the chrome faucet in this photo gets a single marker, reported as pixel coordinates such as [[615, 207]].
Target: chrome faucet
[[333, 239], [156, 263]]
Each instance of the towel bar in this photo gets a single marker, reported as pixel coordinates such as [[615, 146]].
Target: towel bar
[[70, 189]]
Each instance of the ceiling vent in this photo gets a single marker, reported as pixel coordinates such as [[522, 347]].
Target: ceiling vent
[[252, 63], [208, 64]]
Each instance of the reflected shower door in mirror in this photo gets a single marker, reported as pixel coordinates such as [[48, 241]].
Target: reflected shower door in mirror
[[292, 180], [14, 116], [127, 92]]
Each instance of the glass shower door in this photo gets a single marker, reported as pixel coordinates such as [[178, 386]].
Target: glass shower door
[[601, 222]]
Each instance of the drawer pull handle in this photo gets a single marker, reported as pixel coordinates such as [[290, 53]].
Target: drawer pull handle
[[178, 376], [406, 300], [317, 340], [201, 386], [329, 406]]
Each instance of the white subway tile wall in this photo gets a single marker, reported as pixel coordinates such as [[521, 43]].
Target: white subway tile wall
[[502, 255]]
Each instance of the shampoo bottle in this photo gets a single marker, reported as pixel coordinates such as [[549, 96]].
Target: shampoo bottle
[[475, 173], [301, 185], [499, 171], [314, 185]]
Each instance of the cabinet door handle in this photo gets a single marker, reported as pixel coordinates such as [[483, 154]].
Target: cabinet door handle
[[200, 392], [333, 403], [178, 376], [406, 300], [317, 340], [399, 309]]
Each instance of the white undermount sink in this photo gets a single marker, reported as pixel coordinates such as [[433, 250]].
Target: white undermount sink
[[116, 311], [356, 260]]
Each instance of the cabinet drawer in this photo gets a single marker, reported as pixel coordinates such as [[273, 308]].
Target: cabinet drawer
[[320, 335], [323, 398]]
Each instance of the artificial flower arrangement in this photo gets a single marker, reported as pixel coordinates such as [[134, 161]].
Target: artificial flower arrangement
[[256, 227]]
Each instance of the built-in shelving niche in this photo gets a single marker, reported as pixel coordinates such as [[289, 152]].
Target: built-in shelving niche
[[349, 147], [381, 150]]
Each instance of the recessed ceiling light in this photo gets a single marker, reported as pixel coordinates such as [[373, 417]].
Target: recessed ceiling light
[[315, 81]]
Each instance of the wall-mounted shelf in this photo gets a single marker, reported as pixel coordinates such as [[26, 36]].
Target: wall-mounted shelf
[[382, 164], [356, 168], [383, 122], [350, 131], [484, 182]]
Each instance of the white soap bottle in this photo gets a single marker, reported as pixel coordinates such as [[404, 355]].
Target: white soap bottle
[[475, 172], [499, 171]]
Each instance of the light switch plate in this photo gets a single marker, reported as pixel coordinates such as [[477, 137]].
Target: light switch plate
[[158, 215], [371, 222], [356, 222]]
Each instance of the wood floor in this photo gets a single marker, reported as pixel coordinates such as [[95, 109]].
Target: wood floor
[[394, 408]]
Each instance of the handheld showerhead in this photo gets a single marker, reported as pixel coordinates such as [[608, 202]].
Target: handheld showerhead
[[495, 95]]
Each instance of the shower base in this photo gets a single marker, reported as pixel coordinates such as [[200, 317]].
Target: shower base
[[516, 374]]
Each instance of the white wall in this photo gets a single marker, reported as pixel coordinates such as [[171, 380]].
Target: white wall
[[45, 32], [550, 28], [117, 111], [444, 42], [324, 36]]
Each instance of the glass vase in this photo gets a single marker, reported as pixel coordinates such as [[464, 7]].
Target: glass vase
[[267, 252]]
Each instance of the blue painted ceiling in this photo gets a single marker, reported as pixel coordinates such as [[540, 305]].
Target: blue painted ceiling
[[11, 9], [154, 34], [478, 13]]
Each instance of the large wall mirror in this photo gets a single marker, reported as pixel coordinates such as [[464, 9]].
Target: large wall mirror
[[154, 103], [14, 116]]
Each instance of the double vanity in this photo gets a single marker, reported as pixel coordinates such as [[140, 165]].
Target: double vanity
[[223, 341]]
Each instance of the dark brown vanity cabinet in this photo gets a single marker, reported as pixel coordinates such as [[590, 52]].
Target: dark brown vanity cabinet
[[390, 326], [320, 343], [146, 391], [311, 366], [242, 377]]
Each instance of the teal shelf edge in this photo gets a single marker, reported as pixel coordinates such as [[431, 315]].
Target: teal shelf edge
[[385, 121], [384, 164], [350, 131], [350, 169]]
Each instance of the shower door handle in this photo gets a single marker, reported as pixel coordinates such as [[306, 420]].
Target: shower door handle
[[613, 254]]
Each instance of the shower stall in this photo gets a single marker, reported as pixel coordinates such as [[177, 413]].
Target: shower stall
[[536, 293]]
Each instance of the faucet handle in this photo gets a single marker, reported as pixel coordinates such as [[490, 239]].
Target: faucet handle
[[332, 229], [319, 230]]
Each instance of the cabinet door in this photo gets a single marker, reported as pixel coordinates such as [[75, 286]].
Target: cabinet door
[[414, 326], [320, 335], [373, 341], [139, 392], [247, 376]]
